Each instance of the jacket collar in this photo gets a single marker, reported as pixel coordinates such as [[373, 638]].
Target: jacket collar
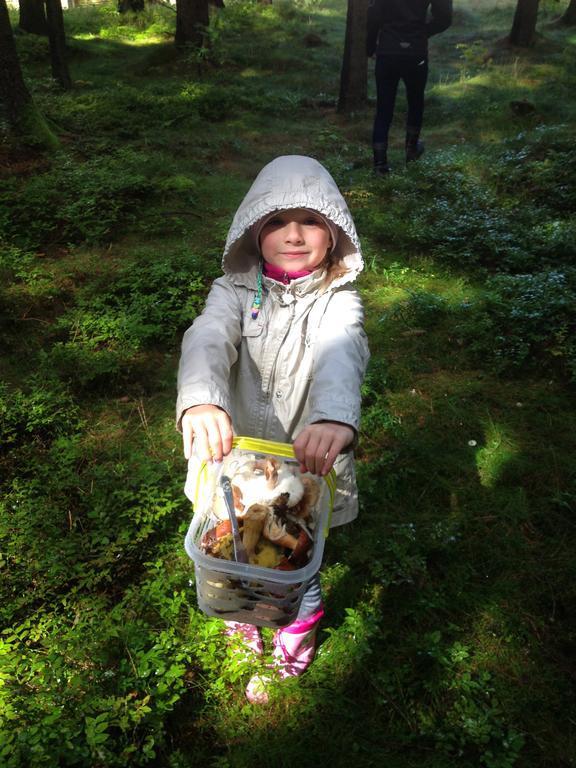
[[311, 283]]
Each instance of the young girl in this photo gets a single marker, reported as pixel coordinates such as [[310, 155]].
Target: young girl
[[279, 353]]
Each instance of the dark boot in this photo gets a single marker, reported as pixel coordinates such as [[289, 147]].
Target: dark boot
[[381, 167], [414, 147]]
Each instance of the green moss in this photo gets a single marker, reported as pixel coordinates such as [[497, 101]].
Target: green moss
[[34, 129]]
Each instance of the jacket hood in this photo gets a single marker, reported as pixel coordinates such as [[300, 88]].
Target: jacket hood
[[290, 181]]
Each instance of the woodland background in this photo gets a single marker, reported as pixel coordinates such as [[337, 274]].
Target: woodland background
[[450, 602]]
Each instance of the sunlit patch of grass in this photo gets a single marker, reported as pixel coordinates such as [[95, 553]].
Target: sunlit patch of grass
[[493, 458], [333, 575], [407, 297], [500, 646], [383, 298]]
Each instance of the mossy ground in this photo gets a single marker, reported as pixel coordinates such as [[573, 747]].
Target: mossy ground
[[450, 601]]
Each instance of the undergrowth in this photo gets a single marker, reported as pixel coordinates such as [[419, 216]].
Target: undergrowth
[[450, 601]]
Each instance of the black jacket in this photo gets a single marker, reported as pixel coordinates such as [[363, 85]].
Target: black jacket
[[403, 26]]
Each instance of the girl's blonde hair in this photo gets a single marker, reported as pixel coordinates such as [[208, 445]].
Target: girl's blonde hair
[[334, 269]]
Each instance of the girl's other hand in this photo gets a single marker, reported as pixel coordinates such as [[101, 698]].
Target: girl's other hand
[[211, 427], [318, 445]]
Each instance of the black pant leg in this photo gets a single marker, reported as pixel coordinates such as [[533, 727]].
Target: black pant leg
[[387, 79], [415, 76]]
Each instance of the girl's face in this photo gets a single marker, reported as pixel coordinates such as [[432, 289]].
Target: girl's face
[[295, 240]]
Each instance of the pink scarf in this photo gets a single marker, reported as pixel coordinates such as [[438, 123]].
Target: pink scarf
[[276, 273]]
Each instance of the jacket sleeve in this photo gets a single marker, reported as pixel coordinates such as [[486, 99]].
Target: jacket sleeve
[[209, 350], [373, 22], [340, 361], [441, 17]]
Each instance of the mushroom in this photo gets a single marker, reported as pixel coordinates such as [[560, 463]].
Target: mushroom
[[275, 530], [306, 505], [253, 524]]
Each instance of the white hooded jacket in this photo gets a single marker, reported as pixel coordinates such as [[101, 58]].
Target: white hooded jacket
[[302, 360]]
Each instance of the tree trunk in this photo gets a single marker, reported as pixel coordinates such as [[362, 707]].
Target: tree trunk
[[568, 18], [192, 19], [32, 17], [354, 73], [15, 100], [130, 5], [523, 32], [57, 38]]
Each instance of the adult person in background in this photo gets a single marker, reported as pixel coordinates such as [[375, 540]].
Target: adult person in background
[[398, 32]]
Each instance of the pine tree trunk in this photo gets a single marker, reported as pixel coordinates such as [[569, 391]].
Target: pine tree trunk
[[32, 17], [57, 38], [192, 18], [568, 18], [15, 100], [354, 72], [523, 32]]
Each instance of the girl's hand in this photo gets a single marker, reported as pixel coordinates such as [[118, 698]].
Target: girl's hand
[[211, 427], [317, 446]]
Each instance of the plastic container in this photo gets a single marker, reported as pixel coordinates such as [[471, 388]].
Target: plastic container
[[244, 592]]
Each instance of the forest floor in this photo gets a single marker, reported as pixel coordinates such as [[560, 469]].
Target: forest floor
[[450, 602]]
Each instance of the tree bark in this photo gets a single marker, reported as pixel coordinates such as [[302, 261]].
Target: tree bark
[[57, 38], [16, 103], [32, 17], [568, 18], [523, 32], [192, 19], [354, 72], [130, 5]]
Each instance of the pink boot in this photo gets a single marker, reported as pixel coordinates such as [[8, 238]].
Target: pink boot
[[294, 649], [247, 635]]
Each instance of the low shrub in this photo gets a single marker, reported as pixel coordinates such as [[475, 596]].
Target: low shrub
[[505, 212], [526, 322], [39, 412], [76, 202], [538, 168], [148, 300]]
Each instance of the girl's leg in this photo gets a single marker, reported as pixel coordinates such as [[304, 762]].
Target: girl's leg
[[294, 645], [247, 634], [312, 600], [415, 76], [387, 79]]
